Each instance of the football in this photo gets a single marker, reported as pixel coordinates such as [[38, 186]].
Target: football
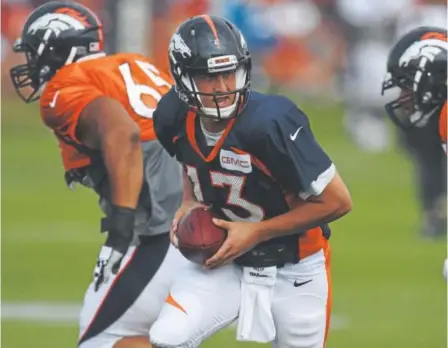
[[198, 237]]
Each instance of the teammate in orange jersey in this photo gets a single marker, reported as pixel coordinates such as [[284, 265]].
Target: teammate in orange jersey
[[417, 64], [100, 109]]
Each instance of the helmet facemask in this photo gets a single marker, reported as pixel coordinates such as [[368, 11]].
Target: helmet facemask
[[417, 102], [28, 78]]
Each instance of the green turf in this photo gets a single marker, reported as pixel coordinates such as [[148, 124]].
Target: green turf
[[387, 281]]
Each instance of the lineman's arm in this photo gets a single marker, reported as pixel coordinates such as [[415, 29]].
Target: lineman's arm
[[105, 125]]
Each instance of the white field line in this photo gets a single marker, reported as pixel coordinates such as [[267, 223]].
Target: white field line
[[66, 313]]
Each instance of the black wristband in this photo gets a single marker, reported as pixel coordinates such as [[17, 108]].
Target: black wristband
[[120, 225]]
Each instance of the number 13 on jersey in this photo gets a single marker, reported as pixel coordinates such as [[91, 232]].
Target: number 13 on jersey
[[235, 185]]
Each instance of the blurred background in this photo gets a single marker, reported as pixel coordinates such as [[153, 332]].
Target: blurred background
[[327, 55]]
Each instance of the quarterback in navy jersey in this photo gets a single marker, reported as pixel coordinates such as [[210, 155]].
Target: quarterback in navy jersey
[[254, 160]]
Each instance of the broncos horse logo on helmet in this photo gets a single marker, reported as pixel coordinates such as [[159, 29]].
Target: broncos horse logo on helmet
[[178, 44], [55, 22], [55, 34]]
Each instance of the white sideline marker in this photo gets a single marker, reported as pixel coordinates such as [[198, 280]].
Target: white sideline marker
[[66, 313]]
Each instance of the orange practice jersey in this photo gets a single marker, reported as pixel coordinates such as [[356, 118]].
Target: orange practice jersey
[[442, 126], [130, 79]]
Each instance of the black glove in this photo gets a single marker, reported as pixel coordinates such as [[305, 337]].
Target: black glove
[[120, 227]]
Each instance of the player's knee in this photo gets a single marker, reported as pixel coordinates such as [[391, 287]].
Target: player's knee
[[166, 337], [170, 331], [304, 332]]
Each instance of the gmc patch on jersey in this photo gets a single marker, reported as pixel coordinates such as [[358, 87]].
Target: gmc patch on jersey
[[233, 161]]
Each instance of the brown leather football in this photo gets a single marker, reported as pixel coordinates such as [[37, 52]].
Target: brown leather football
[[198, 237]]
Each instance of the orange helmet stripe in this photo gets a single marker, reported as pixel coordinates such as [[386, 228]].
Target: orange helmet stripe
[[73, 13], [434, 35], [212, 27]]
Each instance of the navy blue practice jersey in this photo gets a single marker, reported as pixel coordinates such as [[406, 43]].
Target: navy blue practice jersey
[[265, 156]]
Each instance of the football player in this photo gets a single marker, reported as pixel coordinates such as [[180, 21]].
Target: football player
[[254, 160], [417, 65], [100, 109]]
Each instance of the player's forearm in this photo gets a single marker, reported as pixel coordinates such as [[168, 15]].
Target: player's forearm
[[302, 217], [123, 157], [330, 205]]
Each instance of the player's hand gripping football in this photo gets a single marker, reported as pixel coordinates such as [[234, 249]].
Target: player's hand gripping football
[[185, 207], [120, 226], [241, 237]]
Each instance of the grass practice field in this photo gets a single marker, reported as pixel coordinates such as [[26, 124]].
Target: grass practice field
[[387, 285]]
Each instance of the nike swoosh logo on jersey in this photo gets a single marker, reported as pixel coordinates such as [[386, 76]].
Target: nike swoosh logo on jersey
[[294, 136], [296, 285], [53, 102]]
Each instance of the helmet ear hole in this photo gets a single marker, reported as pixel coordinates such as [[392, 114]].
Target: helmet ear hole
[[55, 56]]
